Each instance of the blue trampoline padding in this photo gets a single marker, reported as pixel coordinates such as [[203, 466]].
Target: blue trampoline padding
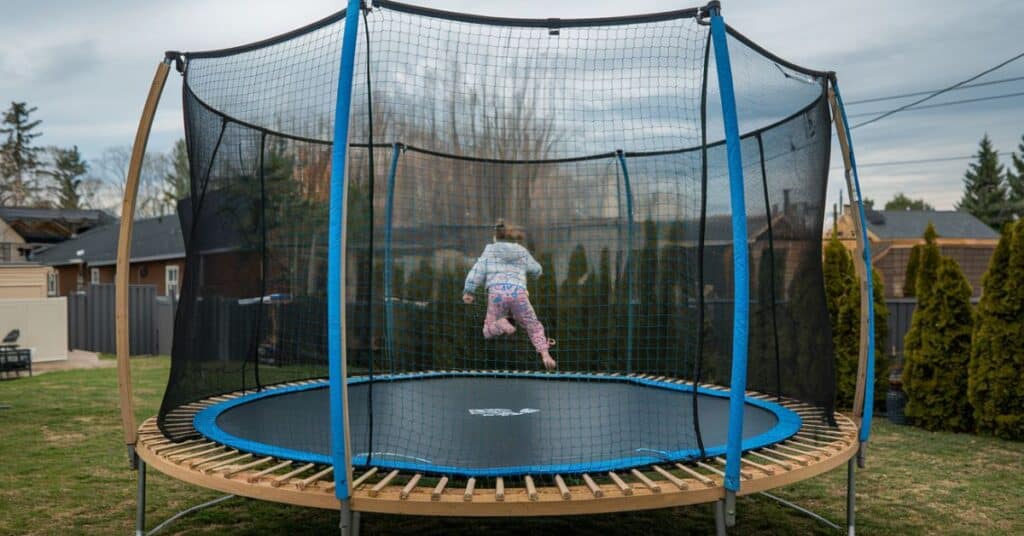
[[785, 423]]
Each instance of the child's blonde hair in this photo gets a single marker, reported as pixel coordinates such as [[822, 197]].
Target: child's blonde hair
[[504, 232]]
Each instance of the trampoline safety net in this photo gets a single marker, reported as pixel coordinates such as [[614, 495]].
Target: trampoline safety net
[[568, 176]]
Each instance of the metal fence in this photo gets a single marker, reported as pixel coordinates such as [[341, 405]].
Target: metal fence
[[91, 320]]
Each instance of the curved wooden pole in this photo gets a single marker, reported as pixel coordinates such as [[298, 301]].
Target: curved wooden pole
[[858, 261], [131, 189]]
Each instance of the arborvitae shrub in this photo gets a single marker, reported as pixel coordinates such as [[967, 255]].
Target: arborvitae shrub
[[843, 294], [996, 372], [910, 277], [935, 370]]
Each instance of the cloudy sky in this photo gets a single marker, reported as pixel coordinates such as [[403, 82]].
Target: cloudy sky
[[87, 66]]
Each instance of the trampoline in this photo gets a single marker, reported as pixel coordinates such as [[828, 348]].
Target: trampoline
[[499, 425], [451, 264]]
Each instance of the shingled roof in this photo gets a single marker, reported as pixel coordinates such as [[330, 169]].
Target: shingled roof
[[152, 239], [47, 225], [896, 224]]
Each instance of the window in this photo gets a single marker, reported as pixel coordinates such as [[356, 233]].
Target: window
[[94, 276], [52, 283], [171, 279]]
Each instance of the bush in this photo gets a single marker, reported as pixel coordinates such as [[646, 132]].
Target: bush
[[842, 290], [935, 369], [913, 265], [996, 371]]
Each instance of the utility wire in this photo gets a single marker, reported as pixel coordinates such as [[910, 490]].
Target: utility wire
[[939, 92], [919, 93], [950, 103]]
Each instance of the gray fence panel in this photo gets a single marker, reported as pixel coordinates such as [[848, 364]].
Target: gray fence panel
[[901, 310], [163, 323], [92, 319]]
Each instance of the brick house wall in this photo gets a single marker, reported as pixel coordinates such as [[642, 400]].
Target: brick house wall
[[74, 277]]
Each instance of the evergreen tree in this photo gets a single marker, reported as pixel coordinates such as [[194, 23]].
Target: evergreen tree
[[177, 180], [996, 373], [984, 191], [840, 277], [19, 158], [842, 289], [929, 263], [68, 174], [910, 276], [901, 202], [935, 370], [1015, 181]]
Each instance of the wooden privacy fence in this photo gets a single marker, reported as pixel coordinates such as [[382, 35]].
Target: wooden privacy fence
[[91, 320]]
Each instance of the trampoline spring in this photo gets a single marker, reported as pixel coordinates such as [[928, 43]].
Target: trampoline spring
[[796, 459], [531, 489], [363, 477], [625, 488], [409, 486], [785, 465], [375, 490], [435, 495], [703, 479], [562, 488], [646, 481], [744, 474], [256, 463], [312, 480], [279, 481], [670, 477], [499, 489], [470, 486], [226, 463], [257, 476], [594, 488]]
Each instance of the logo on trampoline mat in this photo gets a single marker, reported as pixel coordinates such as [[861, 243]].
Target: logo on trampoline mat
[[502, 412]]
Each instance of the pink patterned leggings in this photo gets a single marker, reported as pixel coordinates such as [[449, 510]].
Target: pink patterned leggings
[[503, 299]]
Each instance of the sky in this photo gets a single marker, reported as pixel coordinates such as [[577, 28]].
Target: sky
[[88, 64]]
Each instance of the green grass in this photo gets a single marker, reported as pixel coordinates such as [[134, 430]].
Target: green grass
[[63, 471]]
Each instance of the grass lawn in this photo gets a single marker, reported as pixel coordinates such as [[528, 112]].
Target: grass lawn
[[63, 471]]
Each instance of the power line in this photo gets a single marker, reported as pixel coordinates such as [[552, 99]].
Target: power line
[[950, 103], [939, 92], [904, 162], [918, 93]]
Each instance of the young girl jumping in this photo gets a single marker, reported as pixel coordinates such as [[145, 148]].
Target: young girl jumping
[[502, 269]]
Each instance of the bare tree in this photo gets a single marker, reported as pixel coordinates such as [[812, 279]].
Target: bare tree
[[112, 169]]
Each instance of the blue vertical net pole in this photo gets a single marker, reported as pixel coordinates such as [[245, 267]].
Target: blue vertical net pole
[[389, 274], [629, 260], [741, 271], [869, 380], [335, 253]]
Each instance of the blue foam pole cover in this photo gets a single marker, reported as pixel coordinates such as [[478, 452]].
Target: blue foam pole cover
[[741, 271], [335, 243]]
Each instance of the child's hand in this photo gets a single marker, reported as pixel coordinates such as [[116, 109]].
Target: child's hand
[[467, 298]]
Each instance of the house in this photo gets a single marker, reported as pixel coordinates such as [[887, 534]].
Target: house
[[893, 233], [25, 280], [157, 257], [26, 229]]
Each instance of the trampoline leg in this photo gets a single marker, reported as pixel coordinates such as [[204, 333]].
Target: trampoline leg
[[730, 508], [851, 498], [356, 521], [345, 524], [140, 501], [720, 518]]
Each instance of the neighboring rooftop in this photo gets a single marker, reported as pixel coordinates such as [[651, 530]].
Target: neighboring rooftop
[[49, 225], [152, 239], [897, 224]]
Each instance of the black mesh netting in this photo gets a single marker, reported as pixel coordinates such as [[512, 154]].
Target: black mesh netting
[[597, 146]]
